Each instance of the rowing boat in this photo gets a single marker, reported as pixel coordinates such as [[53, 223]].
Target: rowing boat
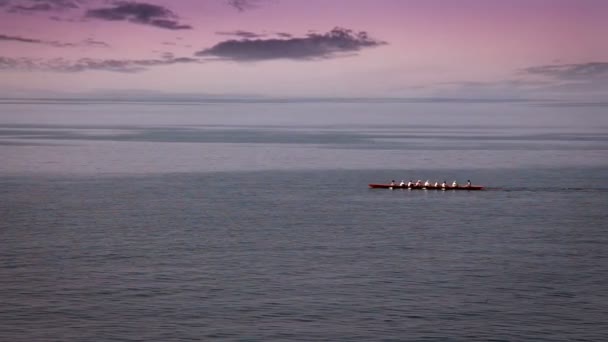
[[430, 187]]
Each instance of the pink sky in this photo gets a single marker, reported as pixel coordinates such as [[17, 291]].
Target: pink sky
[[466, 48]]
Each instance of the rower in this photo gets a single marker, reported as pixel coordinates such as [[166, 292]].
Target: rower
[[402, 183], [409, 184], [469, 183], [393, 182], [436, 184], [427, 183], [418, 183], [454, 184], [444, 184]]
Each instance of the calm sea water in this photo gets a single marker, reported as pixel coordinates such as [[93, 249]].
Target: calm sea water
[[253, 222]]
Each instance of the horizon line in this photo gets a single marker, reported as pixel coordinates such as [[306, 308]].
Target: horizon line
[[194, 99]]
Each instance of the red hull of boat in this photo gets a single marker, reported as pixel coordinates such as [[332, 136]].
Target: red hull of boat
[[461, 187]]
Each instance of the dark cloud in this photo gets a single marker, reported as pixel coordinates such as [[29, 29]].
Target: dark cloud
[[583, 71], [88, 64], [62, 4], [32, 6], [34, 41], [242, 5], [169, 24], [35, 7], [241, 34], [140, 13], [19, 39], [284, 34], [93, 42], [87, 42], [335, 43]]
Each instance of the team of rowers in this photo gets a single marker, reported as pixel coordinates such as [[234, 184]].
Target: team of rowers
[[419, 183]]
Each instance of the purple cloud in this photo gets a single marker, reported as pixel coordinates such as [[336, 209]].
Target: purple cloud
[[88, 64], [335, 43], [140, 13], [19, 39], [93, 42], [242, 5], [582, 71], [241, 34], [36, 7], [284, 34], [32, 6], [34, 41]]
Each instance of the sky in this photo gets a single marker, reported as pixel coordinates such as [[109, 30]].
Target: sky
[[468, 49]]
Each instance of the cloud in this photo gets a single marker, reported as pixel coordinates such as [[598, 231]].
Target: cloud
[[284, 34], [335, 43], [34, 41], [167, 55], [582, 71], [500, 89], [88, 64], [93, 42], [36, 7], [19, 39], [87, 42], [241, 34], [242, 5], [32, 6], [140, 13], [252, 35], [584, 82]]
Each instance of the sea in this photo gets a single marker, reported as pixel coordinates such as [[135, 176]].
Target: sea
[[253, 221]]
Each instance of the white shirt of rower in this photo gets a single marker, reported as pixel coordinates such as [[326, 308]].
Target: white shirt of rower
[[409, 184], [427, 183], [454, 184], [402, 183]]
